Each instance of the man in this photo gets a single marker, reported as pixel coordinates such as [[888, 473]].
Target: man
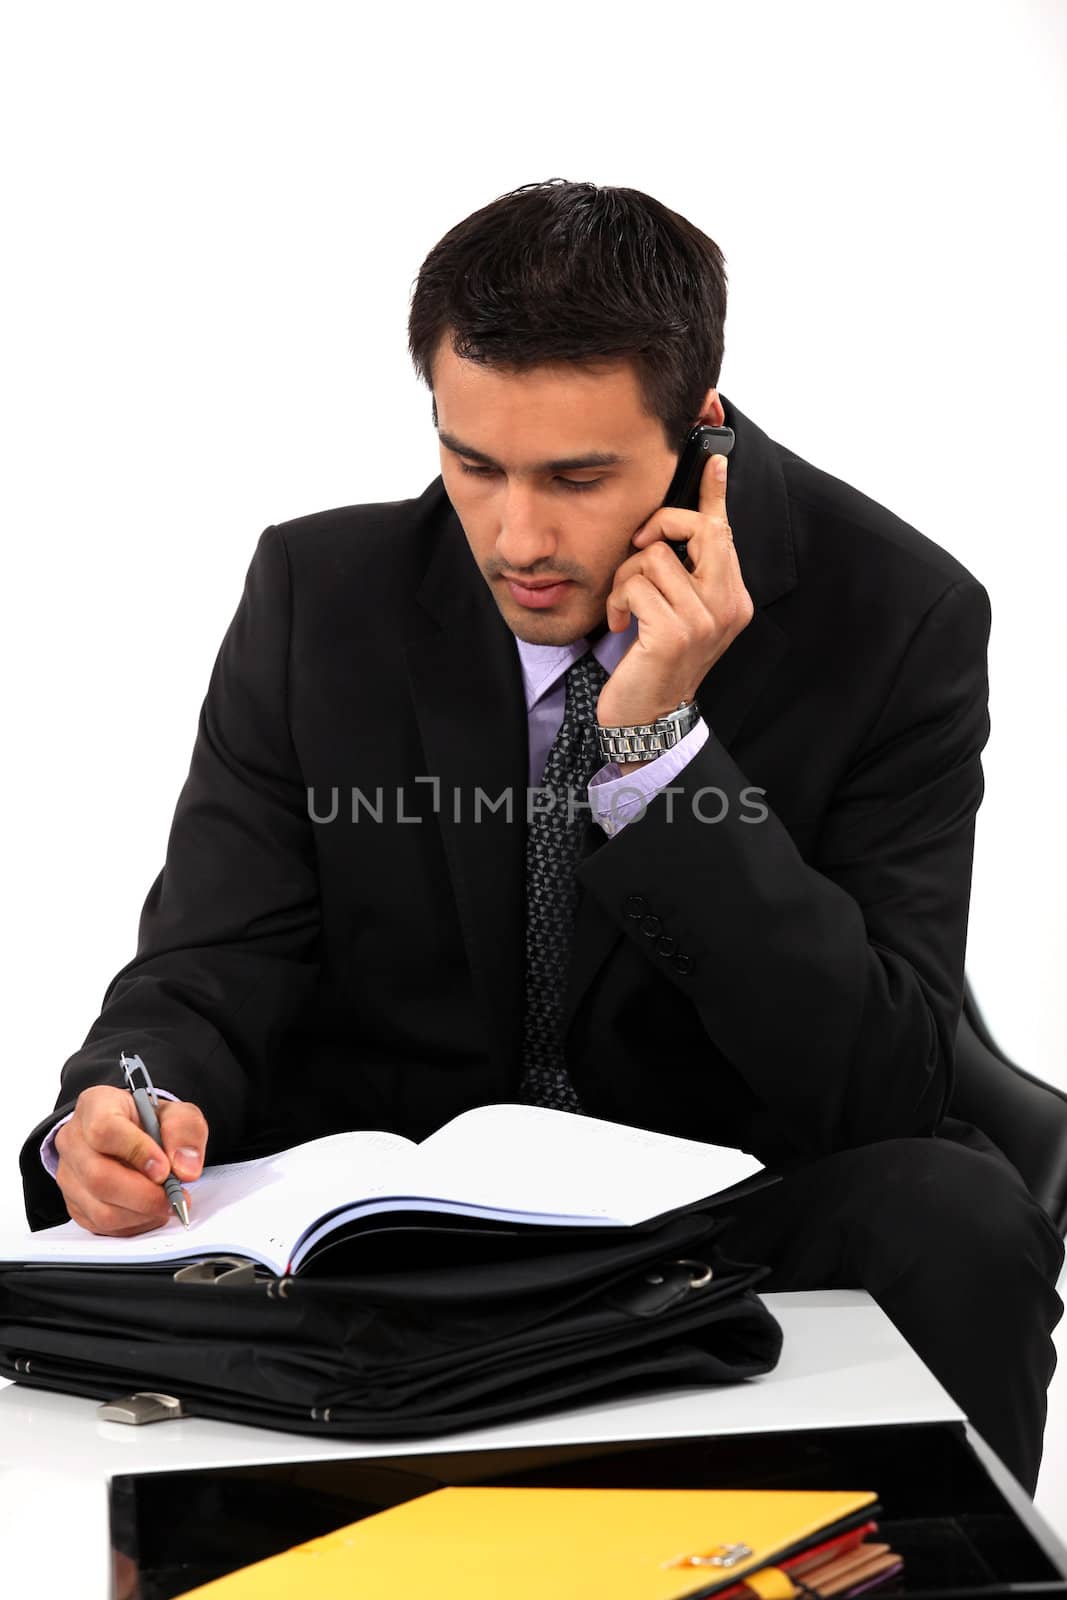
[[371, 915]]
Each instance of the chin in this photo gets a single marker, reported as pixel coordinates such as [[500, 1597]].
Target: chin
[[561, 625], [558, 636], [541, 628]]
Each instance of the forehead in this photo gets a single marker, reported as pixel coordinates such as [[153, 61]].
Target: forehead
[[556, 397]]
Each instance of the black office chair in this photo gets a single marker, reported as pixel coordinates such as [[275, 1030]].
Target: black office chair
[[1024, 1116]]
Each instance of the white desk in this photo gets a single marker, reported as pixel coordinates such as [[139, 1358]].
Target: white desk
[[843, 1365]]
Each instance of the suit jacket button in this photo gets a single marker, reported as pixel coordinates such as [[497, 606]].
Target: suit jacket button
[[651, 927], [635, 905], [682, 964], [666, 946]]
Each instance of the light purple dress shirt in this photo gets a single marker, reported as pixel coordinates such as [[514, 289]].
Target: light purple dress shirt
[[614, 799]]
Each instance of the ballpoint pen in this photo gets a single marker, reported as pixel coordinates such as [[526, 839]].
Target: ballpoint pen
[[143, 1090]]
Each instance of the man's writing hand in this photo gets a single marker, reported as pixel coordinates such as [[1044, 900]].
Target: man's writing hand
[[686, 620], [110, 1171]]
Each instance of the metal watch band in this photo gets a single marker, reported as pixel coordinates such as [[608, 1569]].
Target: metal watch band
[[644, 741]]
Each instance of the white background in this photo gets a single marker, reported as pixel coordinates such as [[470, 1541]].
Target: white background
[[213, 214]]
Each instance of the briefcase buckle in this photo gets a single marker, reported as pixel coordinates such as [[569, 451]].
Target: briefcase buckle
[[144, 1406], [230, 1270]]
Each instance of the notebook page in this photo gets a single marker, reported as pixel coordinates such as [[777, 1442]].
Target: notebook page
[[540, 1164], [248, 1208]]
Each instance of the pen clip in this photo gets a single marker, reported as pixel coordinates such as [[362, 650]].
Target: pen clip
[[133, 1065]]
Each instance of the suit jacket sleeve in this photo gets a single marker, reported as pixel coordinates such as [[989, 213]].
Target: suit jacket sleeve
[[832, 984], [227, 944]]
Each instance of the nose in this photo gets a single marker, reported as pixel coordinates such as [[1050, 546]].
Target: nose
[[526, 534]]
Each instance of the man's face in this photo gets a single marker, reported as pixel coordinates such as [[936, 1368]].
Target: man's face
[[551, 473]]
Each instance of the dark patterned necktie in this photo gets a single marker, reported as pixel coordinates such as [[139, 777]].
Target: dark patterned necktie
[[552, 846]]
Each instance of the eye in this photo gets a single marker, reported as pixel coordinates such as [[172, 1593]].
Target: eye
[[565, 483]]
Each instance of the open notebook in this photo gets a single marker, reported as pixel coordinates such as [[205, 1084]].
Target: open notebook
[[506, 1163]]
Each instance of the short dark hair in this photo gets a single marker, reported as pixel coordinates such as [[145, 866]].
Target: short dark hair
[[562, 271]]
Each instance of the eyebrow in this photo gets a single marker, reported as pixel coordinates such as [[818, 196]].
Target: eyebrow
[[594, 458]]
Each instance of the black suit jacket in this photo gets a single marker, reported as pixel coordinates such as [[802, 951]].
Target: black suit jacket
[[790, 985]]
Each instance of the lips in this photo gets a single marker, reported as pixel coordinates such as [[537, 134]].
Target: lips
[[539, 595]]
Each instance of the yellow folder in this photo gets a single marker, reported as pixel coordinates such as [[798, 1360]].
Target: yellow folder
[[553, 1544]]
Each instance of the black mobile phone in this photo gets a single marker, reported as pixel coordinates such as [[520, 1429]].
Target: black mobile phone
[[703, 441]]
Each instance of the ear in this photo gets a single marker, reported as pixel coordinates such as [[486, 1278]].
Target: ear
[[711, 411]]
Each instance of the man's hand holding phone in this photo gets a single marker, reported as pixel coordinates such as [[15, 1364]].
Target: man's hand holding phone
[[686, 619], [110, 1171]]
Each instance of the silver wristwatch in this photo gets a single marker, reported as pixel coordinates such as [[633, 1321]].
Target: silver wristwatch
[[644, 741]]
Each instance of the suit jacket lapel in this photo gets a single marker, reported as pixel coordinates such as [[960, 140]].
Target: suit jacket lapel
[[467, 690]]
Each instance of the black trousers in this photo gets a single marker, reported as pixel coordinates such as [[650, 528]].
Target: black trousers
[[944, 1235]]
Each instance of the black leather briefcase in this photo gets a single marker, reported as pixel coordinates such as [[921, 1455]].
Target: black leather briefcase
[[417, 1330]]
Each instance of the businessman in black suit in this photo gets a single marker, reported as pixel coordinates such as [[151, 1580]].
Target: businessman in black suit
[[760, 944]]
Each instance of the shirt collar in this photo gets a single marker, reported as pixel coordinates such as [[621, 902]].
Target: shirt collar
[[544, 664]]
